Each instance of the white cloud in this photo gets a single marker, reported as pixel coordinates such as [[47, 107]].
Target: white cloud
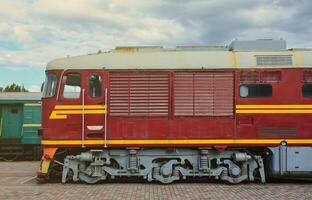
[[34, 32], [267, 14], [34, 88]]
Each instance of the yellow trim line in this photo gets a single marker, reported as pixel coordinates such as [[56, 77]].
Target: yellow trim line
[[69, 107], [273, 109], [61, 111], [177, 142], [272, 106]]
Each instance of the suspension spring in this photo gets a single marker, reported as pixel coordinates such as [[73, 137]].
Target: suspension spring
[[204, 162], [156, 171], [133, 161]]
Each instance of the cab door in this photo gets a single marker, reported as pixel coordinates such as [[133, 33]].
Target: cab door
[[94, 109]]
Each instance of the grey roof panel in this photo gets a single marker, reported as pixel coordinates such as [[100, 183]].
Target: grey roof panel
[[21, 96], [258, 45]]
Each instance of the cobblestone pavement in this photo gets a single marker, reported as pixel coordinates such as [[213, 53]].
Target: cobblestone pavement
[[17, 182]]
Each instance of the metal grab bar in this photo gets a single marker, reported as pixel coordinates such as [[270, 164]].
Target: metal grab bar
[[83, 118], [105, 120]]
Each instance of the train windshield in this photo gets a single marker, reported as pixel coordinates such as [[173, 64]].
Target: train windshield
[[49, 85]]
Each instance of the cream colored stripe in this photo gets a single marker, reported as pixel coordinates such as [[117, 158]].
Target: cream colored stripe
[[32, 104], [31, 125]]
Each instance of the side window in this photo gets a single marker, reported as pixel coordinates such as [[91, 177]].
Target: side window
[[95, 86], [307, 90], [255, 90], [49, 85], [72, 86]]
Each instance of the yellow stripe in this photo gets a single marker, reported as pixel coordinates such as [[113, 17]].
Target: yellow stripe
[[69, 107], [175, 142], [298, 58], [31, 125], [62, 114], [272, 106], [274, 111], [234, 60]]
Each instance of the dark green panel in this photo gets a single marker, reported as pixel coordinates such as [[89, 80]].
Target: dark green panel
[[32, 121], [12, 118], [1, 121]]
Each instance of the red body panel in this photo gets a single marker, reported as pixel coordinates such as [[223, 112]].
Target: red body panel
[[229, 125], [287, 91]]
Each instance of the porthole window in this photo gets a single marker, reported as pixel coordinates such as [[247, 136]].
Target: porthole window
[[95, 86], [307, 90], [255, 90]]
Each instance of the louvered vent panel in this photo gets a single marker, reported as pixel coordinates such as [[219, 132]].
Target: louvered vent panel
[[203, 94], [184, 94], [272, 60], [203, 90], [139, 94], [223, 94]]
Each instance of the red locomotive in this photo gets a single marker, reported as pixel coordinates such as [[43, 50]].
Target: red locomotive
[[236, 113]]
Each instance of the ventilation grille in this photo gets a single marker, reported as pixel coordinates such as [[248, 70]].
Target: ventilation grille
[[203, 94], [307, 76], [139, 94], [276, 132], [274, 60], [249, 76], [271, 76]]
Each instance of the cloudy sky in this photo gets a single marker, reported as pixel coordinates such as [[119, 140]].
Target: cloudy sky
[[32, 32]]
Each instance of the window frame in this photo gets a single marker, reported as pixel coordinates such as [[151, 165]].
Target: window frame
[[64, 83], [302, 86], [102, 81], [267, 84], [45, 85]]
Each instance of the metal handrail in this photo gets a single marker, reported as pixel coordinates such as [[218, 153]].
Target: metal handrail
[[105, 120], [83, 118]]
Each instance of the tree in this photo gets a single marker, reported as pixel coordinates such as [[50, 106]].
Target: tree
[[14, 88]]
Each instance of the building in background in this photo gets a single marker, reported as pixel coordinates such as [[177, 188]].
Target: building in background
[[20, 118]]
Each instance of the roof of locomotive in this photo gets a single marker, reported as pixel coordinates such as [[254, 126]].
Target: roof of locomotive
[[240, 54]]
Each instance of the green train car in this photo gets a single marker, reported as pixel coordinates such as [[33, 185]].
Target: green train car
[[20, 119]]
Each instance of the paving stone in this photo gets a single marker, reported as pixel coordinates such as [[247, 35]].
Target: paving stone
[[17, 182]]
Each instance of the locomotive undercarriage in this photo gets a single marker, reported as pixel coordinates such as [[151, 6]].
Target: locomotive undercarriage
[[162, 165]]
